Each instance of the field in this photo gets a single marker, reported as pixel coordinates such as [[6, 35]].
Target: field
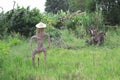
[[81, 62]]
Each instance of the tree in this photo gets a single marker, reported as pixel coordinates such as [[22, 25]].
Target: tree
[[2, 25], [91, 6], [56, 5], [75, 5], [22, 20], [109, 8]]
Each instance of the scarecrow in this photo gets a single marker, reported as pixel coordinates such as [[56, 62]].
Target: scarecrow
[[39, 37]]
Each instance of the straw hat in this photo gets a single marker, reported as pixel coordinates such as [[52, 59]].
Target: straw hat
[[41, 25]]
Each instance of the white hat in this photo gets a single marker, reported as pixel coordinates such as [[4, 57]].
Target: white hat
[[40, 25]]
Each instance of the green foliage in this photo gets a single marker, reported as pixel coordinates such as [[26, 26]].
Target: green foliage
[[94, 19], [56, 5], [54, 33], [85, 62], [112, 38], [77, 24], [77, 5], [71, 22], [113, 16], [60, 23], [74, 61], [3, 28], [13, 41], [72, 25], [111, 11], [90, 6], [50, 18], [21, 20], [109, 8], [80, 23], [52, 23], [4, 49]]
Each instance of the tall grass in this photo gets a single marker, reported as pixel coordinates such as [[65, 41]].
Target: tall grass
[[84, 63]]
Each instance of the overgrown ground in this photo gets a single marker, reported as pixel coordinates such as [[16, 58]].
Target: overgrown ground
[[83, 62]]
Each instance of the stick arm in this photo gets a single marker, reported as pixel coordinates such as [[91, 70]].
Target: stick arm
[[48, 36], [33, 37]]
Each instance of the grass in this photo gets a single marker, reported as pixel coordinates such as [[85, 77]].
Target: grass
[[84, 63]]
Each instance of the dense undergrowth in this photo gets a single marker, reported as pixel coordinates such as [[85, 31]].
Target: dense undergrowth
[[73, 60], [69, 57]]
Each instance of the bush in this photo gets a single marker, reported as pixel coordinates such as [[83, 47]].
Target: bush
[[90, 6], [3, 28], [54, 19], [109, 8], [54, 33], [22, 20], [53, 26], [13, 41]]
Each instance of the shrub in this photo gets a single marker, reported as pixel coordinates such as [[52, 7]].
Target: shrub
[[3, 28], [54, 33], [13, 41], [53, 26], [90, 5], [22, 20], [54, 19], [109, 8]]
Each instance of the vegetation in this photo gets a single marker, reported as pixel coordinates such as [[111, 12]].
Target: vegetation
[[81, 62], [20, 20], [55, 6], [69, 57], [109, 8], [77, 5]]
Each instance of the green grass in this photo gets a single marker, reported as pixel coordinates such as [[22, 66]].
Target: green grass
[[84, 63]]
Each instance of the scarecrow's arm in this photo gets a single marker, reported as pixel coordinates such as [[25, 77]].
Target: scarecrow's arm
[[48, 36], [33, 37]]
